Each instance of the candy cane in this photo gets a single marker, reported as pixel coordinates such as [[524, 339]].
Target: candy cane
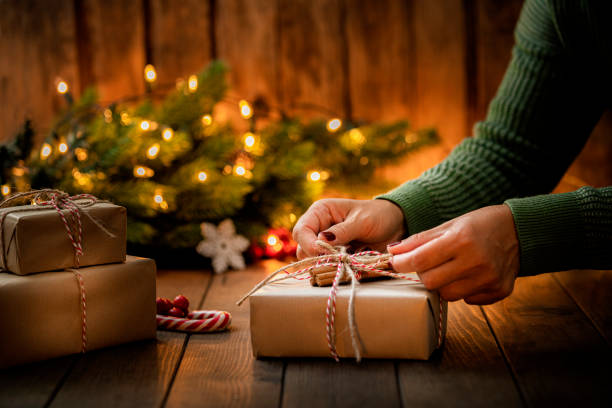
[[197, 321]]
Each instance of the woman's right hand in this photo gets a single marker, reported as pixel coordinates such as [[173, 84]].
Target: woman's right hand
[[358, 223]]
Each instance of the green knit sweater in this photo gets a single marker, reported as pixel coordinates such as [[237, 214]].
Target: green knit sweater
[[552, 95]]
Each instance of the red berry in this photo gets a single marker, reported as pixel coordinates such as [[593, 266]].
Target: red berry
[[181, 302], [163, 305], [176, 312]]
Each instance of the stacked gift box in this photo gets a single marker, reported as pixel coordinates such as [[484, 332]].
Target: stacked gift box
[[66, 284]]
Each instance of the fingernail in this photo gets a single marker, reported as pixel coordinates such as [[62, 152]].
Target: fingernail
[[329, 236], [391, 263], [394, 244]]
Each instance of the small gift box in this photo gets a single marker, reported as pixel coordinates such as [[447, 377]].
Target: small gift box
[[60, 233], [53, 314], [391, 318]]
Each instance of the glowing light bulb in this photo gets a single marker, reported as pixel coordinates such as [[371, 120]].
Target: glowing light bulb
[[145, 125], [249, 139], [292, 218], [125, 119], [334, 124], [158, 198], [143, 172], [6, 190], [163, 205], [192, 83], [153, 151], [149, 73], [167, 134], [314, 176], [202, 176], [272, 240], [108, 115], [206, 120], [81, 154], [45, 151], [357, 138], [240, 170], [62, 148], [245, 109], [62, 87]]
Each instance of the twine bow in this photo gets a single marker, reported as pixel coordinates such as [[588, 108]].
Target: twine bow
[[352, 266], [59, 200]]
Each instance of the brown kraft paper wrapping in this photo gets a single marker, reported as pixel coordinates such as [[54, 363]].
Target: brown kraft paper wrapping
[[42, 312], [395, 318], [37, 241]]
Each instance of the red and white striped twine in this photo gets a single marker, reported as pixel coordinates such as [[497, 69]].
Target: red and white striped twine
[[83, 298]]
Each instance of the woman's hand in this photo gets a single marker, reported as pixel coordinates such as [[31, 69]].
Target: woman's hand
[[473, 257], [371, 223]]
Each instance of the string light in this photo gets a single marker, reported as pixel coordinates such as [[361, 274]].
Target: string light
[[145, 125], [411, 137], [206, 120], [62, 87], [202, 176], [334, 124], [149, 73], [18, 171], [240, 170], [314, 176], [143, 172], [45, 151], [357, 138], [167, 134], [249, 139], [192, 83], [153, 151], [6, 190], [62, 147], [81, 154], [272, 240], [158, 198], [108, 115], [245, 109], [292, 218], [125, 119]]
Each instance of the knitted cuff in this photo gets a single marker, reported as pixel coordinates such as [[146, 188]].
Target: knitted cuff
[[550, 232], [419, 210]]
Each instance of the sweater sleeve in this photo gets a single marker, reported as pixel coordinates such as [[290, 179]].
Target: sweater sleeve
[[544, 111]]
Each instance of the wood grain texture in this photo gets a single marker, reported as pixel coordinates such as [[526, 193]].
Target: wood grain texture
[[440, 79], [37, 46], [557, 355], [468, 372], [115, 50], [592, 291], [382, 63], [32, 385], [312, 42], [180, 38], [246, 35], [218, 369], [325, 383], [136, 373]]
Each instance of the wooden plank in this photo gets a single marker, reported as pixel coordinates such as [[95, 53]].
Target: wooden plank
[[440, 79], [493, 38], [180, 38], [557, 355], [591, 290], [37, 45], [113, 43], [32, 385], [246, 37], [218, 369], [469, 371], [312, 57], [137, 373], [381, 59], [325, 383]]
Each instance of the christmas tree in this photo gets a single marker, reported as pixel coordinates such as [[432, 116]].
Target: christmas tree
[[174, 166]]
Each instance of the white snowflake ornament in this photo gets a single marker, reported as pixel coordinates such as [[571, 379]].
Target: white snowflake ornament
[[222, 245]]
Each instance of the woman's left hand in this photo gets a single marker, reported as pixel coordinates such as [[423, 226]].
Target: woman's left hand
[[473, 257]]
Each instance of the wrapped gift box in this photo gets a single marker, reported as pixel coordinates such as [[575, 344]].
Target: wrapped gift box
[[395, 318], [42, 315], [37, 240]]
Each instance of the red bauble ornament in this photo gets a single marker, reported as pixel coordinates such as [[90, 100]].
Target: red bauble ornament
[[181, 302], [163, 305], [176, 312]]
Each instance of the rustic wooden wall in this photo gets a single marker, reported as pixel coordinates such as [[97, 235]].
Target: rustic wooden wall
[[436, 62]]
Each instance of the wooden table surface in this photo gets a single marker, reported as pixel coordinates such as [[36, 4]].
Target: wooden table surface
[[546, 345]]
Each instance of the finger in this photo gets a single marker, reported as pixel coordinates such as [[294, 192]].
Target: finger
[[416, 240], [458, 290], [342, 233], [427, 256], [443, 275], [299, 252], [485, 298]]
